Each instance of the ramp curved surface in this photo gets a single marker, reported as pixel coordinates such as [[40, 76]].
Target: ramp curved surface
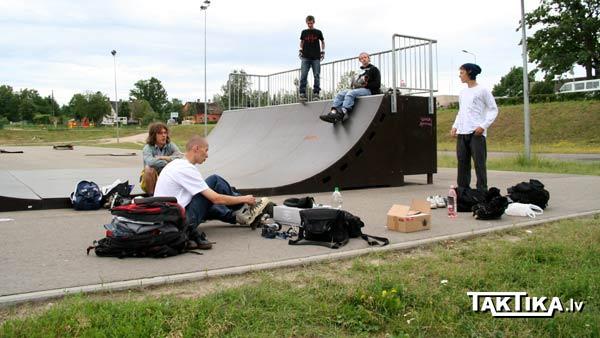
[[288, 149]]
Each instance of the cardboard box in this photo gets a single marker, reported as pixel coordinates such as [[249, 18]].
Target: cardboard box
[[286, 215], [415, 217]]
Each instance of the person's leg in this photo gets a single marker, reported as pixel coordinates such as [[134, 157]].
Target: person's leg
[[304, 67], [196, 211], [149, 177], [479, 152], [339, 98], [351, 95], [222, 212], [316, 69], [463, 157]]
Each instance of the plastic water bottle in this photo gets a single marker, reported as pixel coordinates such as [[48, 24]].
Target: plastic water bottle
[[452, 200], [337, 199]]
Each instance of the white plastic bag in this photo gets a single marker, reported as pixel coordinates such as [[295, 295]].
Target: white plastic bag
[[522, 209]]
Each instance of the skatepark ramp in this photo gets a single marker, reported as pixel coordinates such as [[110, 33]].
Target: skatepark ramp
[[287, 149]]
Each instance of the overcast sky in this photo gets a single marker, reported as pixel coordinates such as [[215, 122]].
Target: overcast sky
[[65, 45]]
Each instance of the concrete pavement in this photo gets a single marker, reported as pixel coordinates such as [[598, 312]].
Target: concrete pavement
[[42, 253]]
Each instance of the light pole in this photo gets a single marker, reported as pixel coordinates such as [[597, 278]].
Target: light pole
[[526, 137], [114, 54], [474, 56], [204, 8]]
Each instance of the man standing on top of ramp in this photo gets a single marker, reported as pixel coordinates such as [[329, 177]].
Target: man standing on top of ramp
[[312, 52], [367, 83]]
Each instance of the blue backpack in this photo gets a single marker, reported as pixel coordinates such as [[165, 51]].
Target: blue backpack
[[87, 196]]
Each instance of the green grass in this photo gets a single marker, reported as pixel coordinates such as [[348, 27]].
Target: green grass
[[535, 164], [388, 294], [47, 135], [556, 127]]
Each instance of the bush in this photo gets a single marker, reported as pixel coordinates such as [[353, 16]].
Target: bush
[[3, 121], [541, 98]]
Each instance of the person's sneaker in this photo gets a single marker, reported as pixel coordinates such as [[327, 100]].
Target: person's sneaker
[[440, 201], [330, 117], [247, 214], [316, 97], [432, 202], [302, 98]]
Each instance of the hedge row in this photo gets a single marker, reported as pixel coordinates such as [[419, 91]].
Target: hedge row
[[540, 98]]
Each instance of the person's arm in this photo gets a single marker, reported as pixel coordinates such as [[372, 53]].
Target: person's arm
[[491, 111], [217, 198], [176, 153], [150, 160], [322, 46]]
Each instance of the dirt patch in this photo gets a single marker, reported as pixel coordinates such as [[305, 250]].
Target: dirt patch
[[137, 138]]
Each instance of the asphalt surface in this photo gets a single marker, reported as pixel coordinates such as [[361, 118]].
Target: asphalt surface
[[42, 253]]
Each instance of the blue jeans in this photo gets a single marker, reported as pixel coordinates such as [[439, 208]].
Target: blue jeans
[[200, 208], [305, 66], [345, 98]]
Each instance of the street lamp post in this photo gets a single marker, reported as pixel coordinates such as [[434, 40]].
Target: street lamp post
[[114, 54], [527, 133], [474, 56], [204, 8]]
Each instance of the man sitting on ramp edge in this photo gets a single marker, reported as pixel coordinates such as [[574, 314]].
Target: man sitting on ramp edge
[[367, 83], [202, 199]]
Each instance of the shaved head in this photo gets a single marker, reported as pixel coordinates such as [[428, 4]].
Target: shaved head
[[195, 140]]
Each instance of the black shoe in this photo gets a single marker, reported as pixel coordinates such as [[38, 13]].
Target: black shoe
[[316, 97], [302, 98], [199, 238], [334, 116]]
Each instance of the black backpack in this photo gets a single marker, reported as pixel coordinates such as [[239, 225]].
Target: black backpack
[[531, 192], [467, 198], [332, 228], [154, 244], [87, 196], [492, 207], [168, 237]]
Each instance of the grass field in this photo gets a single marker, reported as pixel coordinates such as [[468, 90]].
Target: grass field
[[422, 293], [47, 135], [535, 164], [556, 127]]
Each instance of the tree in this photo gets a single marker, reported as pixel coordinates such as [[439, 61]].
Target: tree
[[570, 35], [124, 109], [94, 106], [346, 81], [240, 86], [28, 103], [511, 84], [542, 87], [141, 110], [8, 104], [175, 106], [151, 91]]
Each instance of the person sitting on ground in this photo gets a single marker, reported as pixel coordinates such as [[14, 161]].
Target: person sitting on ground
[[204, 199], [367, 83], [158, 151]]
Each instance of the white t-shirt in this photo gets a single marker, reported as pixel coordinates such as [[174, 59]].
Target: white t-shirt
[[180, 179], [477, 108]]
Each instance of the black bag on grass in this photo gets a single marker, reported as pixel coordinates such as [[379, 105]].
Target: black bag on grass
[[332, 228], [531, 192]]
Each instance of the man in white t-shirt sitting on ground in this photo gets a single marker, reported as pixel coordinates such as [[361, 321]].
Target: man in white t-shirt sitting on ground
[[476, 113], [210, 198]]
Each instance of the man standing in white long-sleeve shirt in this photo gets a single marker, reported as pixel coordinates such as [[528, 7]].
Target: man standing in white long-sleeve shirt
[[477, 111]]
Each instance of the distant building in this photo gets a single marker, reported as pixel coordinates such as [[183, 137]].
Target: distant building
[[194, 111], [443, 101]]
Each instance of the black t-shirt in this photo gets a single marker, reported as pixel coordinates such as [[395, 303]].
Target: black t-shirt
[[311, 49]]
